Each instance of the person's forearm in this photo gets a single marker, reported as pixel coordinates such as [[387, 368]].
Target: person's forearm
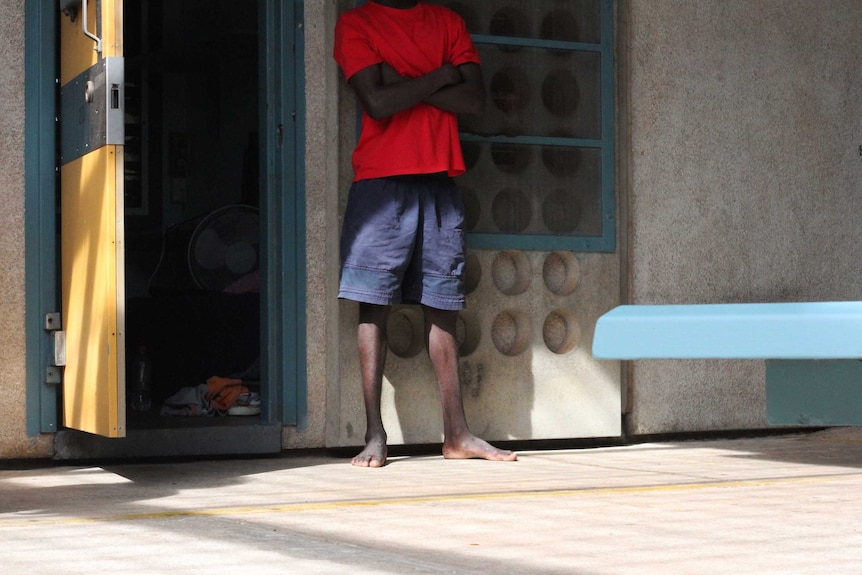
[[461, 98], [465, 97], [390, 98]]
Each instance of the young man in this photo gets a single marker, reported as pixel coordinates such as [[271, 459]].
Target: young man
[[413, 67]]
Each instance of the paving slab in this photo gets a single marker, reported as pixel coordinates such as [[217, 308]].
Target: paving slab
[[773, 504]]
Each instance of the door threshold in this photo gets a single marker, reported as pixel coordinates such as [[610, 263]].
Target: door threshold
[[154, 420], [190, 441]]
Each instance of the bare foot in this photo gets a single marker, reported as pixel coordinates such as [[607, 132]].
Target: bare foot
[[374, 454], [471, 447]]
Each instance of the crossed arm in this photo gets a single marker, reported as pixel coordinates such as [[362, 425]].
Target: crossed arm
[[383, 92]]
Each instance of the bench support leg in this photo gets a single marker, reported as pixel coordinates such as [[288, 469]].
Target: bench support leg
[[814, 392]]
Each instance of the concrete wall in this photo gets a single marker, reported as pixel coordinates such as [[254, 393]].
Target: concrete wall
[[14, 442], [321, 197], [744, 178]]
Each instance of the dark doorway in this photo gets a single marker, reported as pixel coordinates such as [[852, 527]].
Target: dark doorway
[[192, 217]]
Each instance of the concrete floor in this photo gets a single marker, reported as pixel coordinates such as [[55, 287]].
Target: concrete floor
[[778, 504]]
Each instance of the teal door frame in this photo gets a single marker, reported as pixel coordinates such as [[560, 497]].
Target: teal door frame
[[41, 277], [283, 138], [283, 357]]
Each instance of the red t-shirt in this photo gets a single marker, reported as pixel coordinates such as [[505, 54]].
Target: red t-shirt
[[416, 41]]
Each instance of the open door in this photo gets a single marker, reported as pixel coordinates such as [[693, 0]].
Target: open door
[[91, 159], [187, 114]]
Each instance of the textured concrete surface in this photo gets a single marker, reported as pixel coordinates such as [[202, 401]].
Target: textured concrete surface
[[781, 504], [322, 228], [744, 177], [515, 385], [13, 437]]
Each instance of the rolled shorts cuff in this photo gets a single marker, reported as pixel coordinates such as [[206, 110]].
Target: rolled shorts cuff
[[439, 292], [438, 301], [383, 288], [369, 286]]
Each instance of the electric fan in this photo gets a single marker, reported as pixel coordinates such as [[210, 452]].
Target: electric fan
[[225, 247]]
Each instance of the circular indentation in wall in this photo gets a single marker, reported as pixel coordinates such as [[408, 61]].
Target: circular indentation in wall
[[562, 273], [511, 332], [509, 21], [471, 152], [561, 331], [471, 19], [511, 272], [510, 90], [467, 333], [560, 93], [511, 158], [511, 211], [405, 332], [561, 211], [561, 161], [559, 25], [472, 273]]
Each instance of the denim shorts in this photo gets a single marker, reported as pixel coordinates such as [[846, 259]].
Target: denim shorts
[[402, 241]]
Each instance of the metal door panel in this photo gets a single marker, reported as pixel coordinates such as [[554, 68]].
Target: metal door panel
[[92, 237], [93, 386]]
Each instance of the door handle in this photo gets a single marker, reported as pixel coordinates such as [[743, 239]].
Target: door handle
[[87, 32], [68, 7]]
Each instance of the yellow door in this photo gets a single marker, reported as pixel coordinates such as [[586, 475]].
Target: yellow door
[[91, 159]]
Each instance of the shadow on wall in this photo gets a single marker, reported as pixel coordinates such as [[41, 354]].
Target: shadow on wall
[[497, 383]]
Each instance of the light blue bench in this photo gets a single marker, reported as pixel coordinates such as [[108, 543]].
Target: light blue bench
[[812, 349]]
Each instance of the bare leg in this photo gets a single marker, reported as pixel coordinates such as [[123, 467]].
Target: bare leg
[[458, 442], [371, 336]]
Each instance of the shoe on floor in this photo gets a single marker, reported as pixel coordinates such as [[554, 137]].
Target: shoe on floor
[[244, 410]]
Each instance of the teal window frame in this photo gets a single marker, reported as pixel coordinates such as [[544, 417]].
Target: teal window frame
[[606, 242]]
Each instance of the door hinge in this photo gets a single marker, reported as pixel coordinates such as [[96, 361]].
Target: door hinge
[[54, 325], [59, 348], [53, 321], [53, 375]]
